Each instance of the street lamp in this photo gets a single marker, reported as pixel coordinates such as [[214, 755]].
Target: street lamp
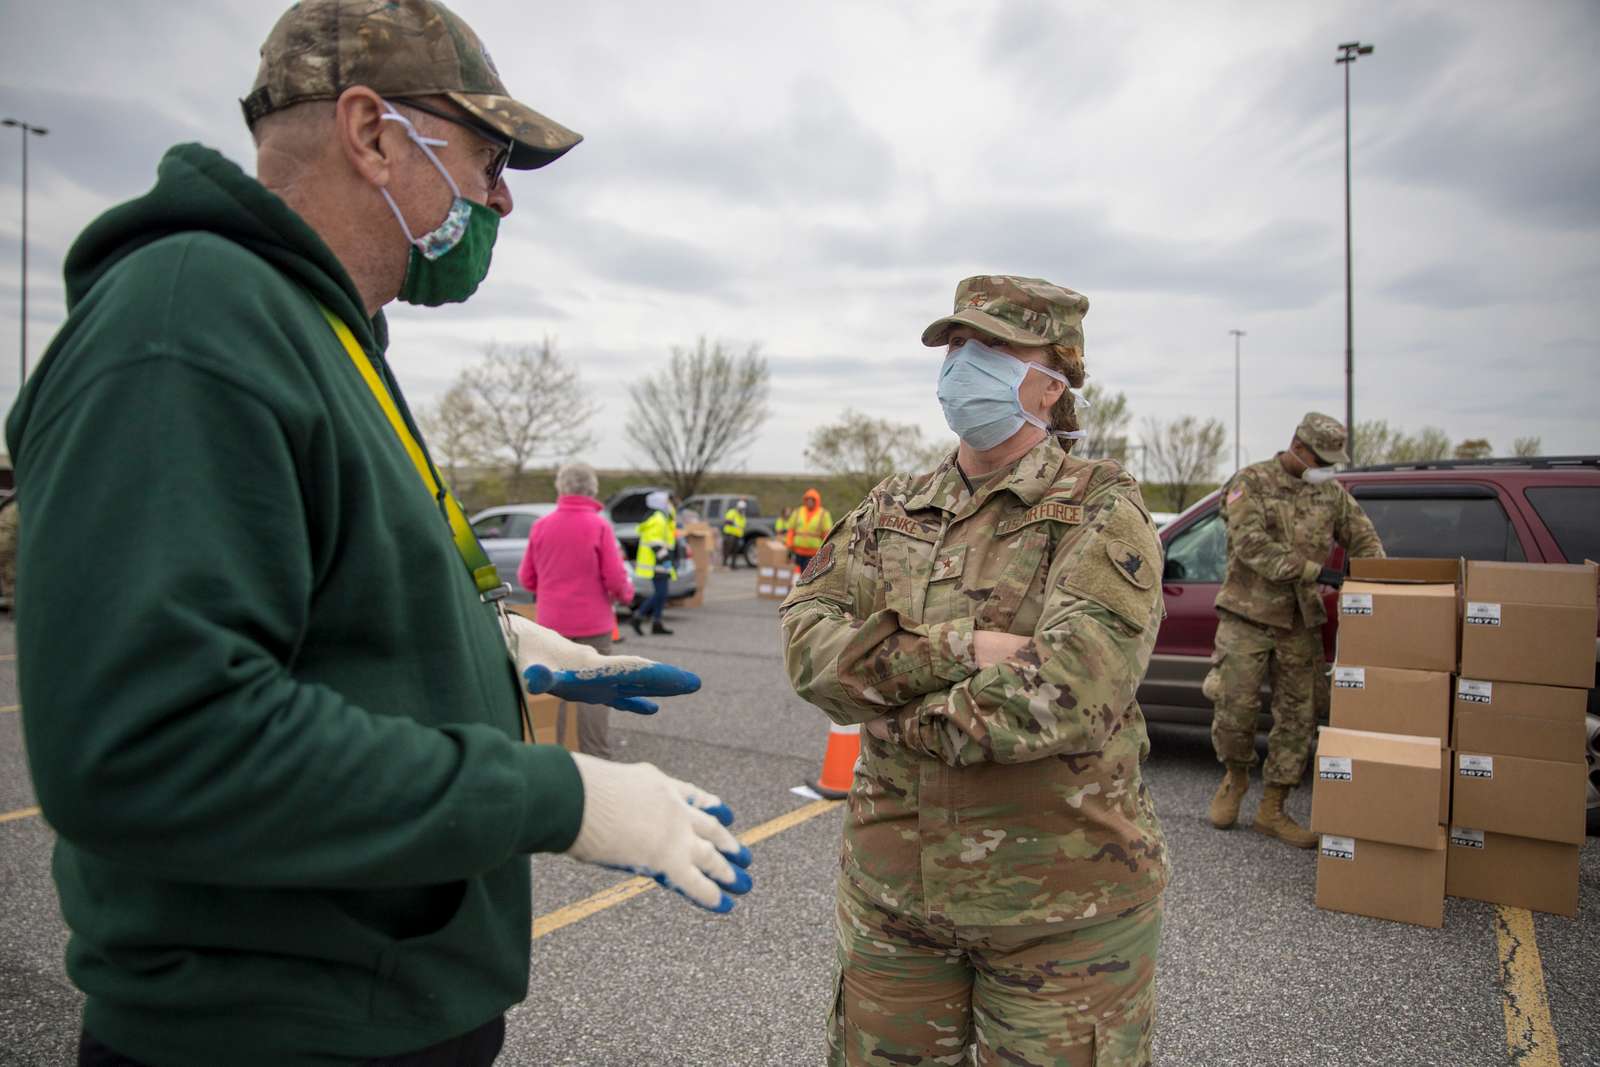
[[37, 131], [1349, 53], [1236, 335]]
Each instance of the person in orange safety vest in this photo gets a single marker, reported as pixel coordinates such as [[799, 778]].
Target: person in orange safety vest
[[806, 528]]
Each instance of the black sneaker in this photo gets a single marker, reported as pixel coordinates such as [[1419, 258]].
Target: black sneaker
[[659, 629], [637, 623]]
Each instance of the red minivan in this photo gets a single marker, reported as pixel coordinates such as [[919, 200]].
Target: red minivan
[[1544, 510]]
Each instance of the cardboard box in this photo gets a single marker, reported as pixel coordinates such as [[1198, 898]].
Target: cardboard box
[[1391, 700], [1380, 787], [1383, 880], [1521, 872], [555, 722], [1515, 719], [1529, 622], [771, 552], [1400, 613], [702, 545], [774, 572], [1521, 797]]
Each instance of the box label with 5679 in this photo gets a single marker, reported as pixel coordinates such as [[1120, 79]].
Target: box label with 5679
[[1335, 768]]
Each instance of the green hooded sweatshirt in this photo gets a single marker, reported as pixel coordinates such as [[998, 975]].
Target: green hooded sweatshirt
[[279, 739]]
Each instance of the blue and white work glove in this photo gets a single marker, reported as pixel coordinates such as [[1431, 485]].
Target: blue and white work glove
[[639, 820], [549, 663]]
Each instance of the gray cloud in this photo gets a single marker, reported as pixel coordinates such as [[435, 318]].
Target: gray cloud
[[818, 150], [1445, 287], [1055, 53], [107, 144], [1283, 264]]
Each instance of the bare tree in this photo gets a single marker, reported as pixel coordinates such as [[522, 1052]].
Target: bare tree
[[1104, 418], [453, 428], [698, 412], [860, 451], [1527, 447], [1474, 448], [1373, 442], [1431, 444], [531, 404], [1184, 454]]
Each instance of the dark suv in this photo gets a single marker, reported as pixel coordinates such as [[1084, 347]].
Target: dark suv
[[1536, 510]]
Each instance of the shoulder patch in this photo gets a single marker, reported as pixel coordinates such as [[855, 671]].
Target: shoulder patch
[[1071, 514], [910, 527], [1235, 493], [820, 564], [1131, 563]]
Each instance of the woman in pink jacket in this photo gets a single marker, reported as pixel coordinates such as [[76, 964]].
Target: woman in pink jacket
[[575, 572]]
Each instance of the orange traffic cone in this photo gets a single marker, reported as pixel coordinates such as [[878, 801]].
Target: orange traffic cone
[[838, 763], [616, 633]]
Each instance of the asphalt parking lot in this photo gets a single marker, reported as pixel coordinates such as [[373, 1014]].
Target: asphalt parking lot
[[1250, 973]]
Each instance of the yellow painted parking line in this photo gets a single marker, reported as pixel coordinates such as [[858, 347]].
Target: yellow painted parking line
[[611, 896], [20, 813], [1530, 1037], [10, 707]]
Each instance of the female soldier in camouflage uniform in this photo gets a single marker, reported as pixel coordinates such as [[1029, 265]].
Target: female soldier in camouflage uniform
[[989, 623]]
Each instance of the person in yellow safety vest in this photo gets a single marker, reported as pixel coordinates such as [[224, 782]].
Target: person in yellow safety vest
[[733, 534], [806, 529], [658, 541]]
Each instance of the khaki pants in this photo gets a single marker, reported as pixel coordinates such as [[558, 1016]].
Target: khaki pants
[[908, 992], [1245, 654], [594, 720]]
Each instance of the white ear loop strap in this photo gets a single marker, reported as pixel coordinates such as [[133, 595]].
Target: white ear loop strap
[[424, 143], [1062, 378]]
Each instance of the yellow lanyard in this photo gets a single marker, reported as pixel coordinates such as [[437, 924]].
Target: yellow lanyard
[[484, 576]]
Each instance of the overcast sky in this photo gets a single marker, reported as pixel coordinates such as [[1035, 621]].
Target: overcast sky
[[815, 178]]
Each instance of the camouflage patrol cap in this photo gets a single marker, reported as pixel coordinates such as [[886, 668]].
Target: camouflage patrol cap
[[1021, 311], [320, 48], [1324, 435]]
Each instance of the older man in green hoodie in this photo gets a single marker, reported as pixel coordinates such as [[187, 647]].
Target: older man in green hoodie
[[283, 758]]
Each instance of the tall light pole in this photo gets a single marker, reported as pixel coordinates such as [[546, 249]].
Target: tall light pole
[[1236, 335], [1347, 58], [37, 131]]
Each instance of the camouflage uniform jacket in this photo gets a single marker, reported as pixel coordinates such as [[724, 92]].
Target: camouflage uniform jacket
[[1280, 531], [1012, 794]]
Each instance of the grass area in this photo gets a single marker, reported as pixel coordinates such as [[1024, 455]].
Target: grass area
[[774, 492]]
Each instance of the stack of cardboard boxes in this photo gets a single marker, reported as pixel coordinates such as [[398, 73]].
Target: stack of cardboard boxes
[[701, 542], [774, 573], [1496, 754], [1381, 796], [1527, 661]]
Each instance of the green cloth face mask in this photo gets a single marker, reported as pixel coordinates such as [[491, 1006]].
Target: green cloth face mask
[[448, 263]]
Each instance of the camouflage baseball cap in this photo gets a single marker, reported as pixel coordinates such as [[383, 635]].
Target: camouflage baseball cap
[[1324, 435], [320, 48], [1021, 311]]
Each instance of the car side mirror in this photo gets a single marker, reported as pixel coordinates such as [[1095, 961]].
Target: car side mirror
[[1173, 571]]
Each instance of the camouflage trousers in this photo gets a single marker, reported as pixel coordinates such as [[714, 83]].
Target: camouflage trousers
[[1245, 654], [909, 992]]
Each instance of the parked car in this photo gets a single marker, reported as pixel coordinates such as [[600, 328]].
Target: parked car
[[1543, 510], [711, 507], [503, 532]]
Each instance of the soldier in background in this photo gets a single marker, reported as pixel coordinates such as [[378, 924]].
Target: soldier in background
[[8, 550], [988, 624], [1283, 516]]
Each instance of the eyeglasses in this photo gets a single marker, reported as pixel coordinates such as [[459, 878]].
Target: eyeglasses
[[497, 165]]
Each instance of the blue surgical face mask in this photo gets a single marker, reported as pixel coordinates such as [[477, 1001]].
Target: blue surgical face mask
[[980, 391]]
